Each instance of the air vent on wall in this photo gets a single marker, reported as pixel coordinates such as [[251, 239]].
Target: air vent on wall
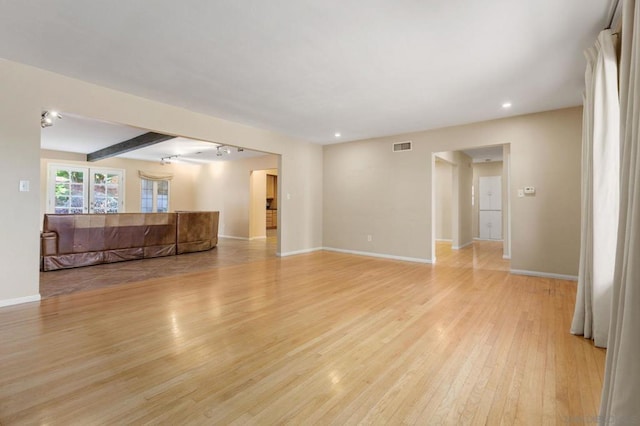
[[402, 146]]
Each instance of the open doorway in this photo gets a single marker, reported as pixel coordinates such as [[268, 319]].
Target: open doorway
[[444, 203], [471, 202], [263, 222], [451, 202], [491, 195], [91, 166]]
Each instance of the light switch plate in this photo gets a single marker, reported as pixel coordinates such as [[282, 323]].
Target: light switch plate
[[24, 186]]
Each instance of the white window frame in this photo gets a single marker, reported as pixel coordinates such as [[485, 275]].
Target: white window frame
[[121, 187], [154, 191], [87, 182]]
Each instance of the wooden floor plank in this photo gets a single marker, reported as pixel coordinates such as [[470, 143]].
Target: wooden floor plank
[[321, 338]]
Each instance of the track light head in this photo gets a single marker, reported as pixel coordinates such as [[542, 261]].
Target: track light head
[[47, 118]]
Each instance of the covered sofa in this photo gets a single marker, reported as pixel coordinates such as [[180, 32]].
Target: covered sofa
[[70, 241]]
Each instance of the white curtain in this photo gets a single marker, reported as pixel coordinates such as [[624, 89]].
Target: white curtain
[[600, 195], [621, 391]]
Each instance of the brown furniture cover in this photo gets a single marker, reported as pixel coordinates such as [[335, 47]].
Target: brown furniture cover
[[70, 241], [197, 231]]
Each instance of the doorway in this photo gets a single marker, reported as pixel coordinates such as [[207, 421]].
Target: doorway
[[461, 208], [264, 218], [444, 203], [75, 190]]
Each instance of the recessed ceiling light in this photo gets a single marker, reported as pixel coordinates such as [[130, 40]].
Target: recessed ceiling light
[[506, 105], [337, 134]]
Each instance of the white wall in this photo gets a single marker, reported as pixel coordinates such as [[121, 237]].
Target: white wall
[[258, 197], [506, 208], [463, 180], [26, 91], [444, 190], [370, 190], [226, 186]]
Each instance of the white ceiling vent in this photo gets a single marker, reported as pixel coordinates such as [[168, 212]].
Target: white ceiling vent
[[402, 146]]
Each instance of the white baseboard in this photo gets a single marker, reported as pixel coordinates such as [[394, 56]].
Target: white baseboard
[[444, 240], [233, 238], [544, 275], [487, 239], [462, 246], [303, 251], [384, 256], [504, 256], [19, 300], [263, 237]]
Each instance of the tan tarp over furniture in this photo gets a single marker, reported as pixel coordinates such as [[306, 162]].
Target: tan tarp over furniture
[[70, 241]]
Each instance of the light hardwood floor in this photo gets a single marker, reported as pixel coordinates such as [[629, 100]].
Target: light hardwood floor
[[321, 338]]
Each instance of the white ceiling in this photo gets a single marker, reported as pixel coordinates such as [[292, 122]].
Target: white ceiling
[[189, 151], [83, 135], [308, 68], [485, 154]]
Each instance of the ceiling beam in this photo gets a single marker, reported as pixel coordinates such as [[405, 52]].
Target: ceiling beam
[[138, 142]]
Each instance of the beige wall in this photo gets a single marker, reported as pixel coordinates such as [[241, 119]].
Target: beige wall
[[258, 197], [506, 208], [26, 91], [444, 189], [462, 179], [493, 168], [181, 187], [226, 186], [463, 173], [370, 190]]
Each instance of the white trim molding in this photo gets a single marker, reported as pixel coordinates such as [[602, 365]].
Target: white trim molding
[[544, 275], [19, 300], [233, 238], [462, 246], [262, 237], [384, 256], [444, 240], [303, 251], [504, 256]]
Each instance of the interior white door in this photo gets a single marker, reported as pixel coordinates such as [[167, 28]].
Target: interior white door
[[485, 225], [490, 225], [490, 204], [496, 224], [490, 190]]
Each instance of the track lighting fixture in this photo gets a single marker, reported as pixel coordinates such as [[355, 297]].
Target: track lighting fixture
[[48, 118], [220, 150], [167, 159]]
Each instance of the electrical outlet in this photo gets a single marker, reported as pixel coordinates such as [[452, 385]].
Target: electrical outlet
[[520, 193], [369, 238]]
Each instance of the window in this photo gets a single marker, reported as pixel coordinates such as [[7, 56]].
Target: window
[[154, 196], [69, 190], [73, 190], [106, 192]]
